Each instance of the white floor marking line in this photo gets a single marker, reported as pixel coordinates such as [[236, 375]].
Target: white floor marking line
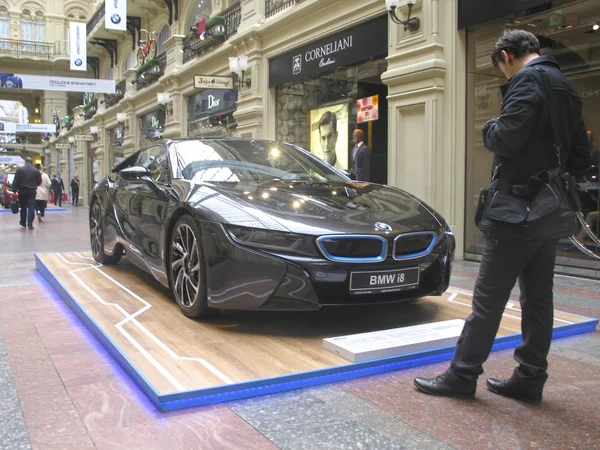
[[85, 257], [131, 318], [153, 337], [130, 338], [510, 305]]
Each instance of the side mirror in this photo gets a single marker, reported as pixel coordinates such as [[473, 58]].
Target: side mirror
[[134, 173], [350, 175]]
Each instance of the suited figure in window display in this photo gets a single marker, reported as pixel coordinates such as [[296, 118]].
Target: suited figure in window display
[[361, 156]]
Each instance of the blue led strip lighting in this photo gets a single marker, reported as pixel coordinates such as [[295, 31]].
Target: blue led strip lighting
[[273, 385]]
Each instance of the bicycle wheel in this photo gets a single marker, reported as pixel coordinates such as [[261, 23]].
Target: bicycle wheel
[[141, 58], [151, 49]]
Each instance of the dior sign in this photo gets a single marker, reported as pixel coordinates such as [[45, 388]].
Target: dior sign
[[347, 47]]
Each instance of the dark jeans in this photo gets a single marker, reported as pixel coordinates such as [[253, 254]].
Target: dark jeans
[[40, 205], [58, 197], [75, 199], [532, 262], [27, 200]]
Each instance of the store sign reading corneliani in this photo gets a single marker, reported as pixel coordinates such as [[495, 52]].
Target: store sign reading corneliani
[[347, 47], [212, 82]]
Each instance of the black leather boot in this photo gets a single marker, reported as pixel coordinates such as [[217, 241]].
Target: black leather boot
[[509, 388], [446, 386]]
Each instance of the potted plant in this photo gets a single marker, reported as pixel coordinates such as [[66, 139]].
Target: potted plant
[[215, 26]]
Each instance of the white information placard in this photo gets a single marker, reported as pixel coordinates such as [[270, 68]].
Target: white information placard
[[396, 341], [84, 137], [64, 84], [62, 146], [212, 82], [11, 127]]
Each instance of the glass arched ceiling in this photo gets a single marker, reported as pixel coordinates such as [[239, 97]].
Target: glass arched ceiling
[[9, 110]]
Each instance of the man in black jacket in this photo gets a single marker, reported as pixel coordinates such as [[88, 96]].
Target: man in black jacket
[[361, 156], [27, 179], [522, 142]]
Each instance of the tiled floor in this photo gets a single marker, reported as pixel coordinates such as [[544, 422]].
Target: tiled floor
[[62, 390]]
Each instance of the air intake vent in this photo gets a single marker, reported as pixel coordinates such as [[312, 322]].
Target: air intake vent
[[353, 248], [414, 245]]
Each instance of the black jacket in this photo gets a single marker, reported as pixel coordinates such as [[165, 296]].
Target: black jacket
[[522, 139], [27, 177]]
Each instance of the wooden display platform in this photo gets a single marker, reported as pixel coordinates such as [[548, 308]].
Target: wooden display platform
[[179, 362]]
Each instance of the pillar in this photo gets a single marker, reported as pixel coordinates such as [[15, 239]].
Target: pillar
[[53, 101], [250, 113], [426, 100]]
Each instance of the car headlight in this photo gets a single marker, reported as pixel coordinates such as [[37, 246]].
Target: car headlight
[[274, 241]]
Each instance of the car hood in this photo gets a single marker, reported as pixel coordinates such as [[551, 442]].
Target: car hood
[[313, 207]]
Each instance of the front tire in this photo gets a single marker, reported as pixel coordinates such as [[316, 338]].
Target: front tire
[[97, 238], [187, 270]]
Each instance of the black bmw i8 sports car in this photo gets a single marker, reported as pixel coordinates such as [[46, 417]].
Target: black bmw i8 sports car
[[253, 224]]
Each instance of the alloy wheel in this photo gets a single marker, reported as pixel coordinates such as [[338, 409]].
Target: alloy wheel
[[185, 265]]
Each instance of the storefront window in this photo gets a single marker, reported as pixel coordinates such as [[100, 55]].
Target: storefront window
[[327, 89], [567, 32], [116, 136], [152, 126], [210, 113]]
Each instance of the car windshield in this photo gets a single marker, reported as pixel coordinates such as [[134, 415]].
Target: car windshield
[[239, 160]]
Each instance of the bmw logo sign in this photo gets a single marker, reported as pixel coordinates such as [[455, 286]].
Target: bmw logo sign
[[382, 226], [78, 62], [115, 18]]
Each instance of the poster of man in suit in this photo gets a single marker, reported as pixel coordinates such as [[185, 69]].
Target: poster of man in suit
[[329, 134]]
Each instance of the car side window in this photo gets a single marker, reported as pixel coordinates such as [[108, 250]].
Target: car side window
[[156, 161]]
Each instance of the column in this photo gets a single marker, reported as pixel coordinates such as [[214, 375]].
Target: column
[[250, 108], [53, 101], [132, 129], [426, 80]]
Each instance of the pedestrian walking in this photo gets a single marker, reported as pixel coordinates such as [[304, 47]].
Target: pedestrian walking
[[27, 179], [526, 140], [42, 194], [75, 190], [58, 187]]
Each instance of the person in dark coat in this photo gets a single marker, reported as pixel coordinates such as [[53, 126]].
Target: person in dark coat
[[58, 186], [361, 157], [27, 179], [522, 142], [75, 190]]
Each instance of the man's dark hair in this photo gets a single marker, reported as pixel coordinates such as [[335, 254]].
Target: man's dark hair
[[38, 166], [517, 42], [326, 119]]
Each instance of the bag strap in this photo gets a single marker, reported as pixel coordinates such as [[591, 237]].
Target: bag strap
[[553, 112]]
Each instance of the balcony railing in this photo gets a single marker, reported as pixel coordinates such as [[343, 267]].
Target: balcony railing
[[152, 74], [274, 6], [26, 48], [95, 20], [194, 46], [113, 99]]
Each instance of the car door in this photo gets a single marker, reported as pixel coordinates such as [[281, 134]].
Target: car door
[[149, 201]]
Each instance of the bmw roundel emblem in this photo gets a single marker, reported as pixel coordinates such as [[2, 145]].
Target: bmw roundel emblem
[[78, 62], [382, 226], [115, 18]]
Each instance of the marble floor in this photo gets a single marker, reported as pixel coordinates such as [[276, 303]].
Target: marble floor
[[62, 390]]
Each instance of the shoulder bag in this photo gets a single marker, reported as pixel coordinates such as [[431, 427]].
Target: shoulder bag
[[543, 209]]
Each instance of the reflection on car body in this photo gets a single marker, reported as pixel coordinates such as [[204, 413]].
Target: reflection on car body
[[231, 223]]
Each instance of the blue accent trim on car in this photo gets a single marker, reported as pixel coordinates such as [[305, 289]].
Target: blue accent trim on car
[[370, 259], [425, 252]]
